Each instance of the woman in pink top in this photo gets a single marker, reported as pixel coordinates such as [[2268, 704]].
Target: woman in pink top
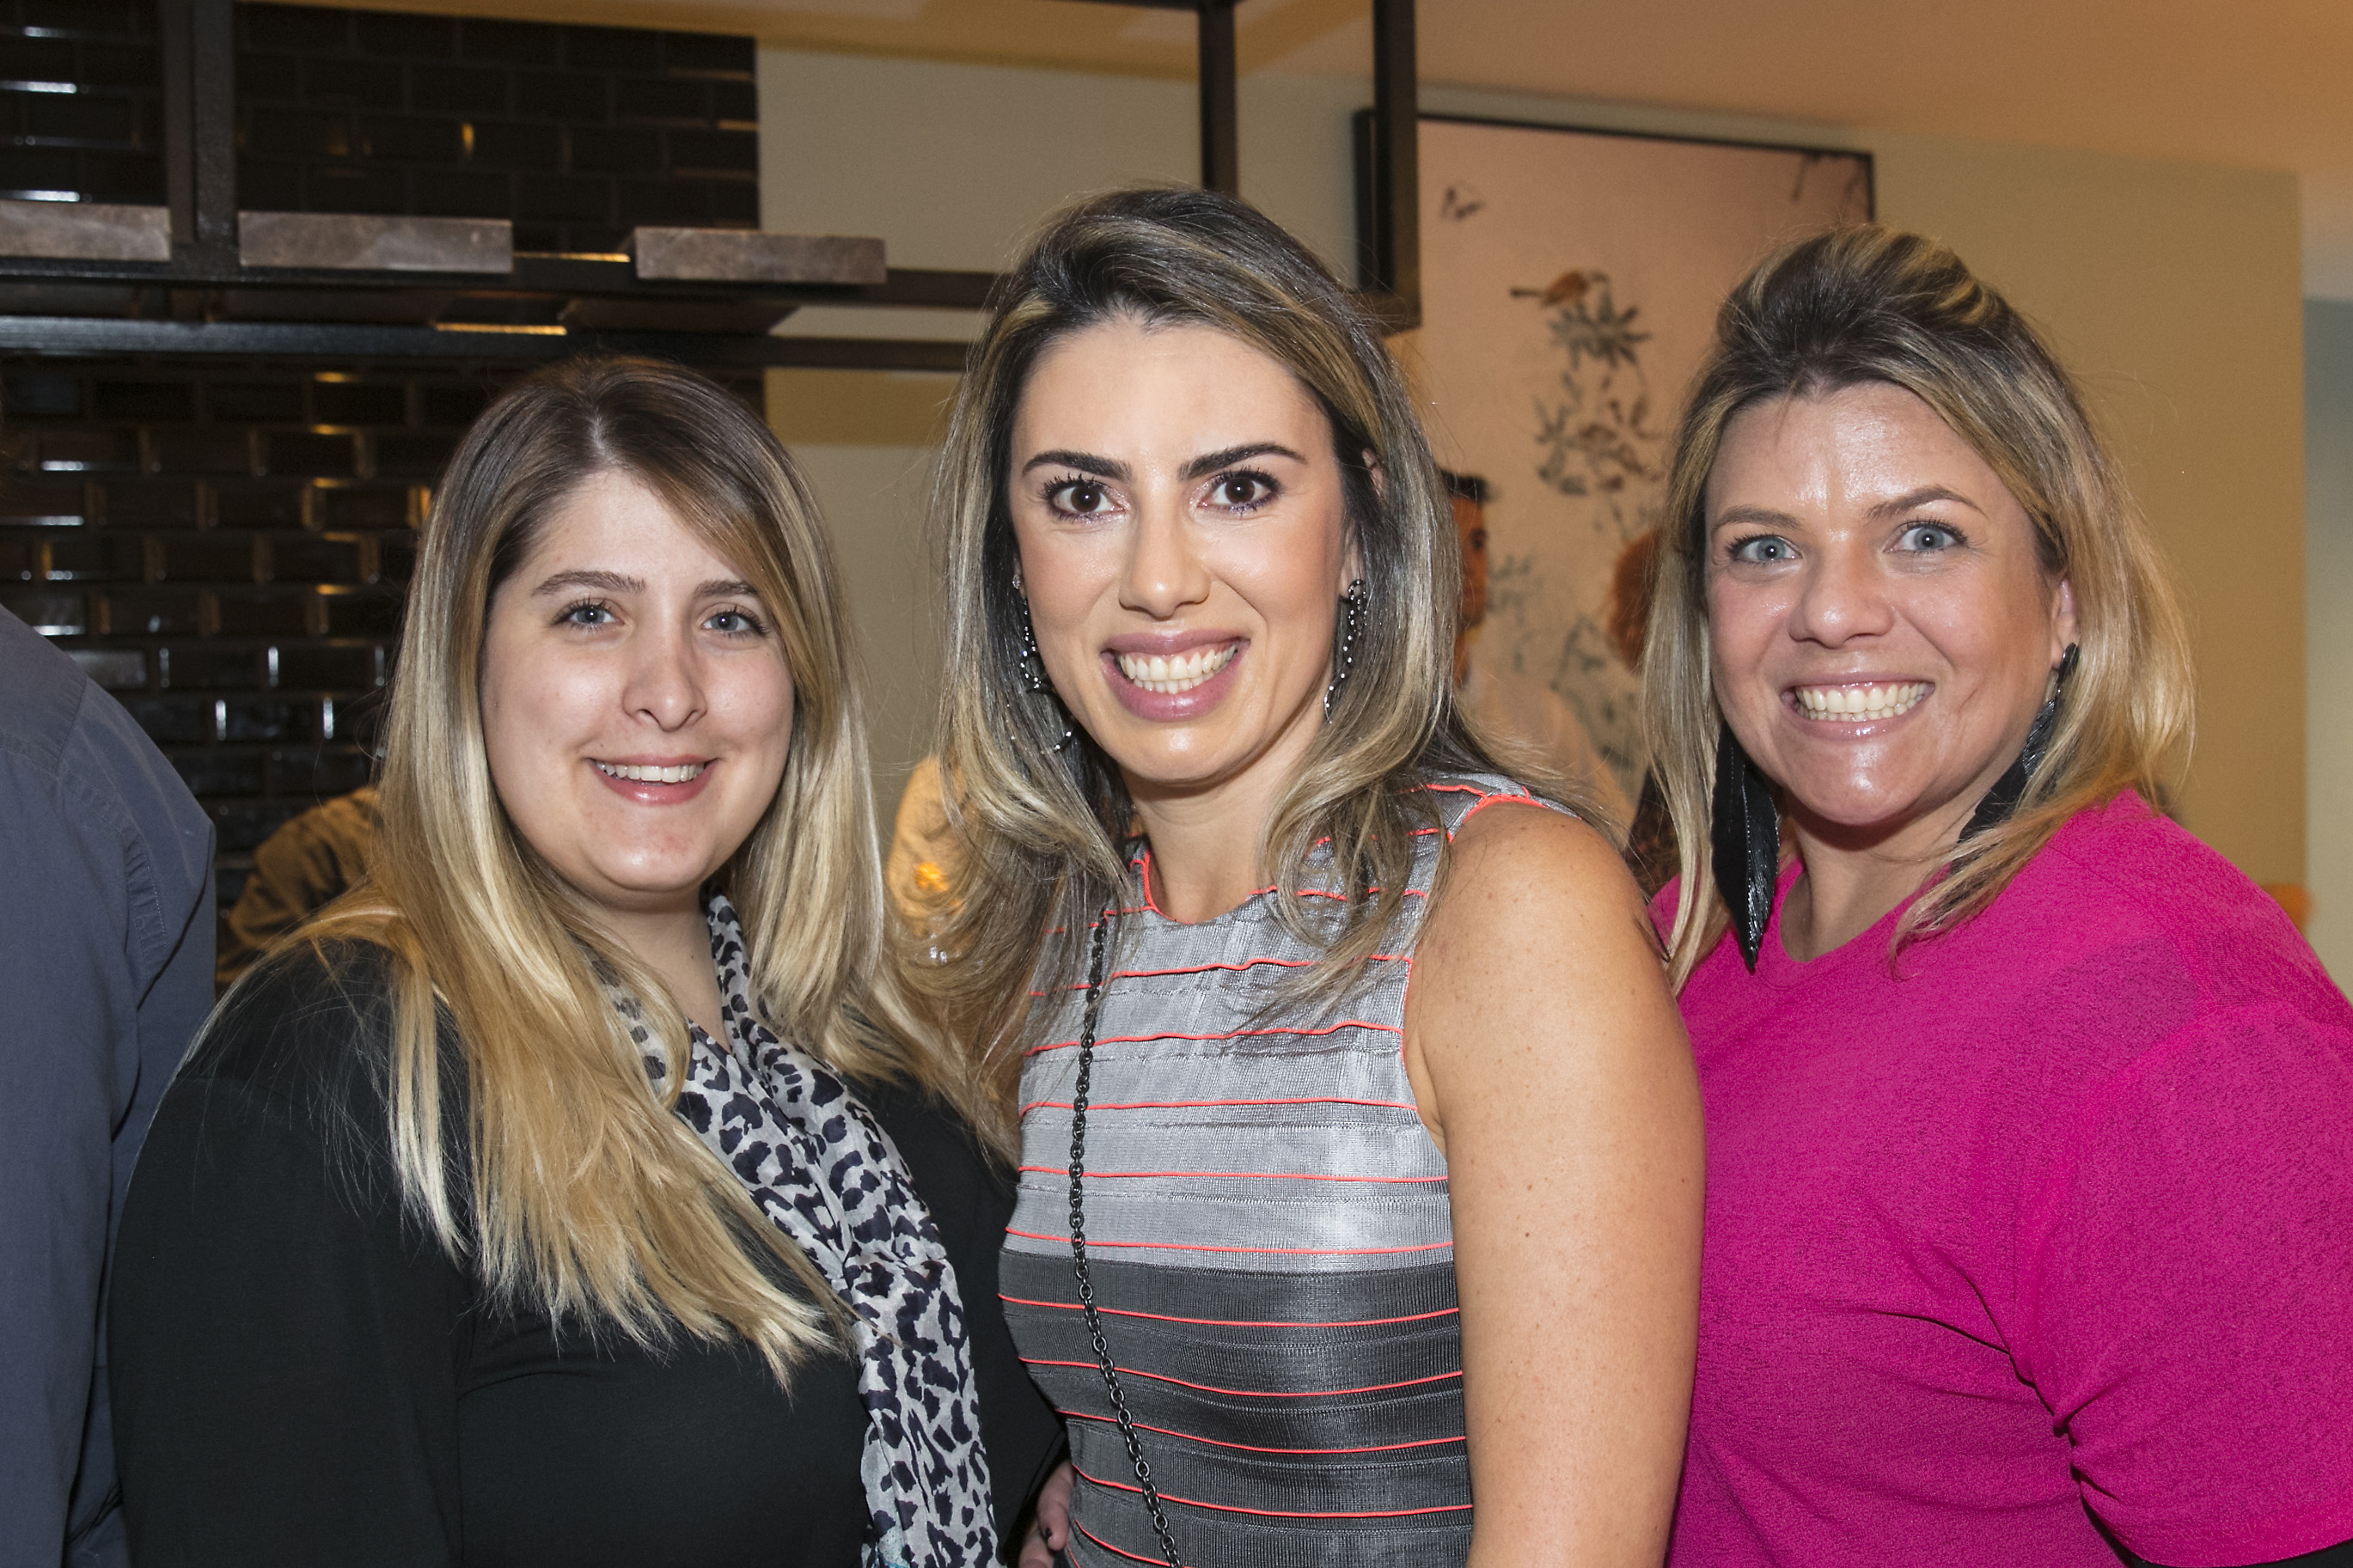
[[2030, 1207]]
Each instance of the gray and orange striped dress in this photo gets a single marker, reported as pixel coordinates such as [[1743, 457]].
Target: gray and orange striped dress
[[1271, 1244]]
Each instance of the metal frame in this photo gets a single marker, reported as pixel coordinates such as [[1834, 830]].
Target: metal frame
[[1388, 159], [179, 307]]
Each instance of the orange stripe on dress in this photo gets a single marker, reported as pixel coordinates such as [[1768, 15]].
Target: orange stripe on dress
[[1230, 1322], [1274, 1512], [1256, 1449], [1251, 1393], [1216, 1104], [1221, 1175], [1276, 1251], [1228, 1035]]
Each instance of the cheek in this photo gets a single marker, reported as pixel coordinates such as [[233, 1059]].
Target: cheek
[[538, 707], [1992, 640], [755, 702], [1063, 579], [1741, 620]]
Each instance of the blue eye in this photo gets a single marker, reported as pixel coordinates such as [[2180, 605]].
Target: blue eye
[[587, 613], [1927, 536], [1763, 550], [735, 622]]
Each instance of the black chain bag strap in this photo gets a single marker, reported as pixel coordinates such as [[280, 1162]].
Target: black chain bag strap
[[1079, 1243]]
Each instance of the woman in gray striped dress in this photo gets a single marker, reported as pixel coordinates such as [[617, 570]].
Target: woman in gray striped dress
[[1359, 1141]]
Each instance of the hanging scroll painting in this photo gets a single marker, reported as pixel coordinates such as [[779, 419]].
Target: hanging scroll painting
[[1570, 281]]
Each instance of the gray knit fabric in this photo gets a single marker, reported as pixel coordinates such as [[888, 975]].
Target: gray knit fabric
[[1271, 1246]]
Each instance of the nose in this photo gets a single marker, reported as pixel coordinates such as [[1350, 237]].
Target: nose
[[1164, 571], [663, 684], [1842, 597]]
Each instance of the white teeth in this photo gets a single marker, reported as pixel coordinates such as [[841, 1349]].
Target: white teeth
[[1159, 672], [1853, 702], [678, 774]]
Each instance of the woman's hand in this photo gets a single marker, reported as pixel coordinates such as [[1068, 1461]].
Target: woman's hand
[[1550, 1062], [1052, 1530]]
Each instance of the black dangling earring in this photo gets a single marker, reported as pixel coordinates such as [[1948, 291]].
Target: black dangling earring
[[1029, 669], [2002, 799], [1745, 835], [1351, 625]]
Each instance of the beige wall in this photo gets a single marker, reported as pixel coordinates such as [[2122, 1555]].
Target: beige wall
[[2328, 628], [2172, 288]]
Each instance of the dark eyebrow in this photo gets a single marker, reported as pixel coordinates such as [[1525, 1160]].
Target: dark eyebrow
[[604, 582], [1920, 497], [1086, 462], [1210, 462]]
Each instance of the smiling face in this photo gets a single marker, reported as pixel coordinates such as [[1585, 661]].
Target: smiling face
[[1881, 630], [1181, 521], [636, 708]]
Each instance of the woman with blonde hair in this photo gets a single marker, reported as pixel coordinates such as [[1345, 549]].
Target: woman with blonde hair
[[2028, 1175], [1358, 1141], [579, 1190]]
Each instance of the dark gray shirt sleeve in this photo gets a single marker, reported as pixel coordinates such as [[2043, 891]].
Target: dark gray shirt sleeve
[[105, 974]]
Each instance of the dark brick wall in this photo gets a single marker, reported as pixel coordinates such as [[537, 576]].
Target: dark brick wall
[[577, 134], [102, 140], [226, 548]]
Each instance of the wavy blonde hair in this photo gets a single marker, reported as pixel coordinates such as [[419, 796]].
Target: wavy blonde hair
[[588, 1198], [1873, 304], [1041, 824]]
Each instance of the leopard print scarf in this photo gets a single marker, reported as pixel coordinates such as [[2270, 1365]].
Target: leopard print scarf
[[815, 1162]]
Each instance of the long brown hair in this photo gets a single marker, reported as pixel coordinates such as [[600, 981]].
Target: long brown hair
[[588, 1197], [1042, 822], [1874, 304]]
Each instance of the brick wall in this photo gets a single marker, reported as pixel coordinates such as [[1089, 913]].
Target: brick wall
[[225, 550], [226, 547], [81, 102], [577, 134]]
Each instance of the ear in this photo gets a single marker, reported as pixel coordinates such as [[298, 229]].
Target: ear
[[1352, 560], [2063, 629]]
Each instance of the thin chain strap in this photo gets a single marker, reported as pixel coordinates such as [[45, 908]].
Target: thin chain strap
[[1079, 1243]]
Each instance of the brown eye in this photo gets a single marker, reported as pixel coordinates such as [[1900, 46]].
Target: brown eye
[[1242, 490], [1080, 495]]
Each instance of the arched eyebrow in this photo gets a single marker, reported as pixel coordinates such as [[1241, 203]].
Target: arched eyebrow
[[1751, 517], [1206, 463], [620, 583], [1766, 517], [1921, 497], [1086, 462], [1210, 462], [602, 581]]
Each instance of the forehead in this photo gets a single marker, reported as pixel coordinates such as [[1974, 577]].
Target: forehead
[[1863, 442], [1127, 385], [613, 522]]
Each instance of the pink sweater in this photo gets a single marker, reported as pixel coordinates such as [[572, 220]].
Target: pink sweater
[[2059, 1221]]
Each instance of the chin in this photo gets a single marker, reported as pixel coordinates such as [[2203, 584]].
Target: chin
[[652, 884]]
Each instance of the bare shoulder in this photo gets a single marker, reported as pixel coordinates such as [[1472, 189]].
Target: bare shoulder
[[1536, 974], [1513, 862]]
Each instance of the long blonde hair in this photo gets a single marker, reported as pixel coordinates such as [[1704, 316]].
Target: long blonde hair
[[589, 1199], [1873, 304], [1042, 822]]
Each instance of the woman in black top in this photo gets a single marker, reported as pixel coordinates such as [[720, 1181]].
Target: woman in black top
[[579, 1190]]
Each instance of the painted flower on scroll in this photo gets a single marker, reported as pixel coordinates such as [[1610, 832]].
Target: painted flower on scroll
[[1594, 435]]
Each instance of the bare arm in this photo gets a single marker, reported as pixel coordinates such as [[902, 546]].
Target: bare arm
[[1550, 1065]]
